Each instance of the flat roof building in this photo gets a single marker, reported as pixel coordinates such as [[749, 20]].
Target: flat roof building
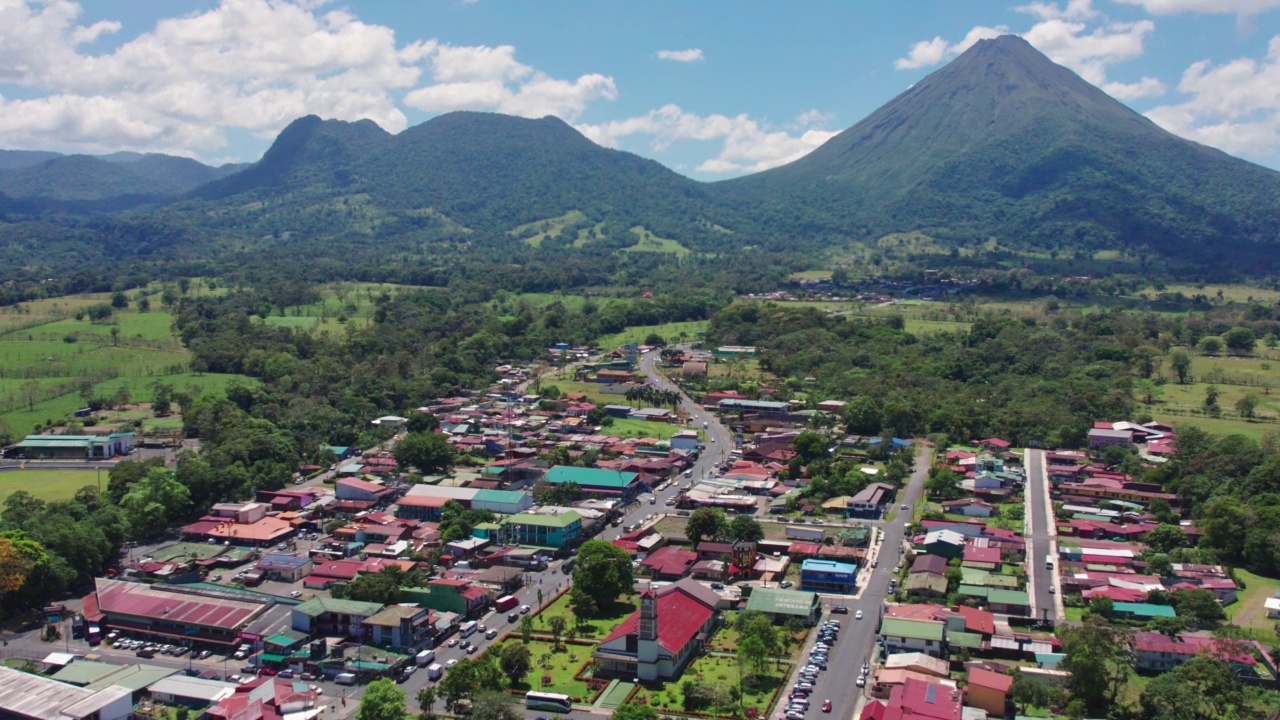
[[594, 481], [71, 446], [782, 604], [23, 695]]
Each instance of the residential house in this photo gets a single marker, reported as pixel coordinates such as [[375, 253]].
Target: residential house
[[1101, 438], [1009, 602], [925, 585], [969, 507], [685, 440], [945, 543], [362, 490], [400, 626], [669, 563], [449, 595], [871, 501], [1141, 611], [983, 558], [935, 564], [907, 635], [655, 642], [987, 690], [1157, 652]]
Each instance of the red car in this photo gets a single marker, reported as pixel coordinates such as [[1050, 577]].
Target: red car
[[266, 672], [826, 706]]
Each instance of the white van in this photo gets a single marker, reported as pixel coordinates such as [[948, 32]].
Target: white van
[[426, 657], [345, 679], [467, 629]]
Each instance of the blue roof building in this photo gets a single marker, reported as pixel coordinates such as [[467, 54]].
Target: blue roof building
[[828, 576]]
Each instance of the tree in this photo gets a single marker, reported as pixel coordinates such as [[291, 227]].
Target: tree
[[427, 451], [427, 701], [1239, 340], [492, 705], [753, 654], [1164, 538], [1148, 390], [1098, 662], [6, 433], [635, 711], [422, 422], [811, 446], [15, 565], [1211, 399], [745, 527], [557, 625], [154, 502], [1180, 361], [515, 661], [1203, 688], [458, 684], [1246, 405], [382, 701], [526, 628], [1028, 692], [119, 300], [603, 572], [125, 474], [161, 398], [705, 524]]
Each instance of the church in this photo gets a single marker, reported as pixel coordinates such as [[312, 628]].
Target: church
[[656, 641]]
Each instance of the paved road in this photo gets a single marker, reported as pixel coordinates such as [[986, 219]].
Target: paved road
[[1039, 541]]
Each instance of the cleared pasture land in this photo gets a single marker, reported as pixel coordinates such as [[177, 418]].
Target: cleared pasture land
[[48, 485]]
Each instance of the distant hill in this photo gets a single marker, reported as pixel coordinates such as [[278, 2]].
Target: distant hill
[[1003, 142], [115, 182]]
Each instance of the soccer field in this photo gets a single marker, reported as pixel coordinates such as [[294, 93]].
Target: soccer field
[[48, 484]]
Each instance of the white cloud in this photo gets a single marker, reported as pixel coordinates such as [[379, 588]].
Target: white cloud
[[927, 53], [1205, 7], [251, 65], [683, 56], [1234, 106], [1074, 10], [747, 145], [1144, 88]]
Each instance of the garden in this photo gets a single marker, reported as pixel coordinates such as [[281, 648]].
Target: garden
[[608, 618], [557, 669], [710, 686]]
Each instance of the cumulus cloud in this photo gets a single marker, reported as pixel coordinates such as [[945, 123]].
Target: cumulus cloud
[[927, 53], [1066, 34], [747, 144], [250, 65], [683, 56], [1205, 7], [1234, 106]]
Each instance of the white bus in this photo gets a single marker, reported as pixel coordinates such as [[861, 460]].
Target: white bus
[[554, 702], [466, 629]]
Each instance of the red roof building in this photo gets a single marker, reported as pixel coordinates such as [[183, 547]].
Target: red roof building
[[670, 562], [976, 555], [657, 640], [920, 700]]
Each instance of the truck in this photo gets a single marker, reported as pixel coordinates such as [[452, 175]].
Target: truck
[[506, 602], [94, 634], [345, 679], [435, 671], [425, 657]]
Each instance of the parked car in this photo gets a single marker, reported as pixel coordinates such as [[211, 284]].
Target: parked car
[[785, 584], [862, 681], [840, 610]]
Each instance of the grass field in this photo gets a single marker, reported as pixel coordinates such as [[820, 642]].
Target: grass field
[[559, 666], [671, 332], [1191, 396], [549, 228], [719, 672], [648, 242], [1218, 426], [1248, 611], [1232, 293], [48, 484], [631, 428], [597, 628]]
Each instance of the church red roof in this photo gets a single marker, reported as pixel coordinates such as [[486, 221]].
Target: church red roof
[[680, 616]]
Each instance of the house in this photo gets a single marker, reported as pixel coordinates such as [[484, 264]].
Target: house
[[870, 502], [361, 490], [559, 530], [708, 550], [283, 567], [828, 576], [987, 690], [969, 507], [657, 640], [1157, 652], [982, 557], [330, 617], [1009, 602], [685, 440], [925, 585], [935, 564], [1141, 611], [907, 635], [1273, 607], [781, 605], [669, 563], [193, 692], [615, 376], [1102, 438], [400, 626], [919, 699], [945, 543]]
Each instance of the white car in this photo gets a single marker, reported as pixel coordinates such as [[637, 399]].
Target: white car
[[857, 615], [524, 609], [451, 662]]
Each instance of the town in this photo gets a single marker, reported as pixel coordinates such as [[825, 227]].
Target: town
[[932, 583]]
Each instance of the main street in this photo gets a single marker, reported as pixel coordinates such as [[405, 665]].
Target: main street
[[1041, 540]]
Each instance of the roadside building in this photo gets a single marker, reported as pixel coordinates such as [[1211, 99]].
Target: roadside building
[[283, 567], [554, 531], [172, 613], [871, 501], [906, 635], [987, 690], [400, 626], [657, 641], [71, 447], [781, 605], [33, 697], [331, 617], [828, 576], [594, 481]]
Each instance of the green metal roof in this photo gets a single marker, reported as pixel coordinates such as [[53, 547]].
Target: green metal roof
[[363, 665], [286, 639], [972, 591], [1008, 597], [83, 672], [1144, 609], [564, 519], [76, 441], [133, 677], [498, 496], [913, 629], [973, 641], [272, 657], [589, 477], [317, 606], [782, 602]]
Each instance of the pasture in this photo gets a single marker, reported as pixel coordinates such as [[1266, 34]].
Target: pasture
[[674, 332], [48, 485], [648, 242]]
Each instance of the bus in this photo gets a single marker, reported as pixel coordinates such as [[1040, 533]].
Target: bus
[[467, 629], [554, 702]]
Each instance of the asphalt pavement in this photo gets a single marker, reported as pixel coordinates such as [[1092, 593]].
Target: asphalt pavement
[[1041, 541]]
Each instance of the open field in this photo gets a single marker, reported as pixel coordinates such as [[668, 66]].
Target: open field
[[1191, 396], [48, 484], [648, 242], [1232, 293], [596, 629], [1255, 371], [549, 228], [673, 332], [1218, 426], [1248, 611], [558, 666], [590, 389], [631, 428], [719, 672]]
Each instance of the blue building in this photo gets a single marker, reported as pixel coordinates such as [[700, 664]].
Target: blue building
[[828, 576]]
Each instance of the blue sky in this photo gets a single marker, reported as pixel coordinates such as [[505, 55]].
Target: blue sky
[[712, 89]]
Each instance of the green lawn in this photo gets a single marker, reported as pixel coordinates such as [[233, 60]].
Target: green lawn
[[671, 332], [1248, 611], [648, 242], [719, 672], [549, 228], [726, 638], [558, 667], [48, 484], [632, 428], [1218, 426], [595, 629]]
